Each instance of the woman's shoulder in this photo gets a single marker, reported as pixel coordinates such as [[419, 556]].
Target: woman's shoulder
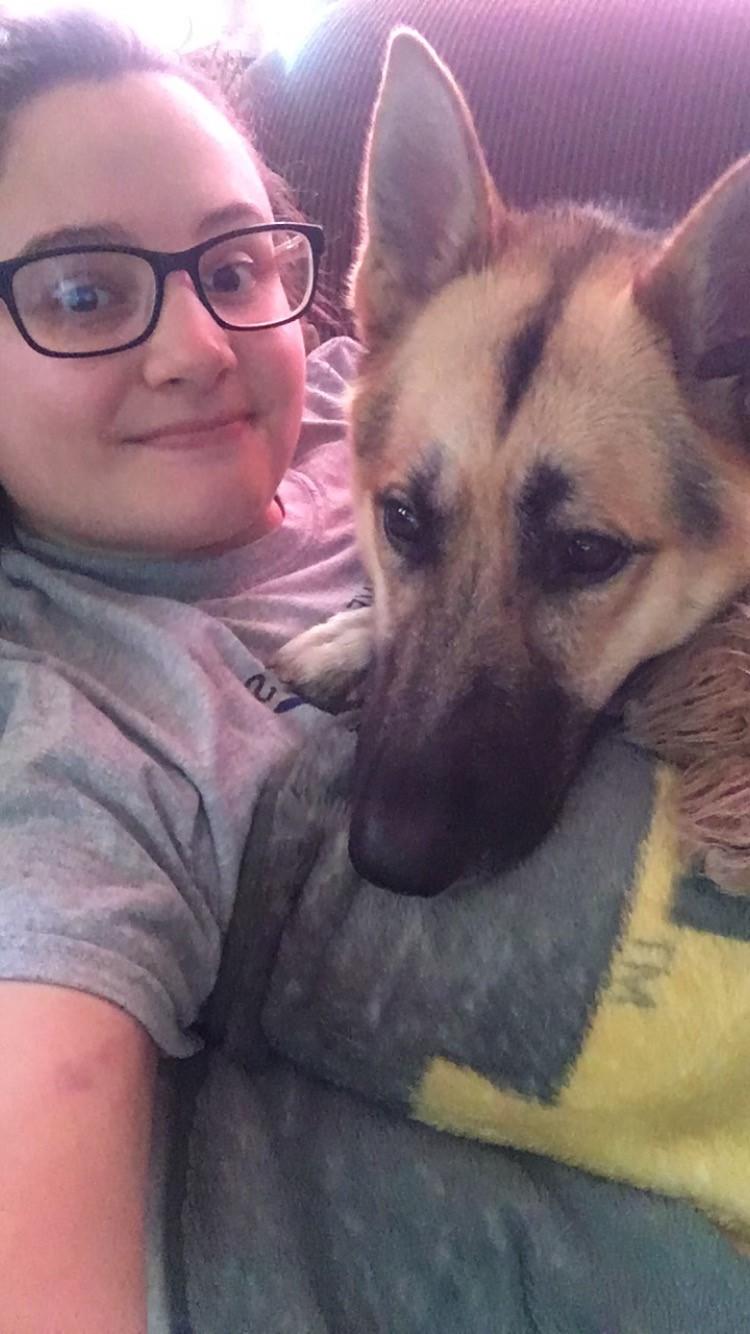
[[331, 370], [335, 361]]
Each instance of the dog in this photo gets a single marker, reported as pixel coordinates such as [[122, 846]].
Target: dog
[[551, 434]]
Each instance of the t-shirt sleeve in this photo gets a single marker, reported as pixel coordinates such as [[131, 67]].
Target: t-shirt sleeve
[[330, 372], [99, 889]]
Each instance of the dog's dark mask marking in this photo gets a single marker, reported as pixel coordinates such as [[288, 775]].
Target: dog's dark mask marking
[[546, 488], [520, 362], [694, 498]]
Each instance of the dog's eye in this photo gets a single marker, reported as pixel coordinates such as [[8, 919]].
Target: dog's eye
[[401, 524], [590, 558]]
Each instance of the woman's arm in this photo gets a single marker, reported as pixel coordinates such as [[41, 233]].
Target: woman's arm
[[76, 1090]]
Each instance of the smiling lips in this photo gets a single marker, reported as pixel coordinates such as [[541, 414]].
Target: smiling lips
[[194, 434]]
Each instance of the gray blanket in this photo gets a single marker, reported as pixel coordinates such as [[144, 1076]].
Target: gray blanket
[[304, 1197]]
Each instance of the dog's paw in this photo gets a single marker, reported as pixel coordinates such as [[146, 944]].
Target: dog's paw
[[327, 665]]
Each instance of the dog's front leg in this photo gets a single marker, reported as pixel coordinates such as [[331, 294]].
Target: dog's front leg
[[328, 664]]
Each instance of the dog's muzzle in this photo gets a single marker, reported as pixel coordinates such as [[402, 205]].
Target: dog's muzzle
[[479, 791]]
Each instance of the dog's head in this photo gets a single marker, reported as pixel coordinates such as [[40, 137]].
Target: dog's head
[[552, 474]]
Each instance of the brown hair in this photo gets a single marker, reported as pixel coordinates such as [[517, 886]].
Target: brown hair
[[39, 53]]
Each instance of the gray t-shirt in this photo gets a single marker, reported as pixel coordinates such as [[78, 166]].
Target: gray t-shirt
[[138, 723]]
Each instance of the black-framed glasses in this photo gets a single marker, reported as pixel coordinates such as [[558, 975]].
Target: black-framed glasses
[[91, 300]]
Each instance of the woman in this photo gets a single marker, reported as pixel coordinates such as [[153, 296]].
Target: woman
[[153, 378]]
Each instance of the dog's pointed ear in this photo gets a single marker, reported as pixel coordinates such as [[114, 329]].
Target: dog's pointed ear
[[429, 204], [698, 290]]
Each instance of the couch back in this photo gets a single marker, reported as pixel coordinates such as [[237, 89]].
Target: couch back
[[639, 101]]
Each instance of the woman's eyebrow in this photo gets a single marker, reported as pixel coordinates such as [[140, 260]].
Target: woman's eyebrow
[[231, 215], [104, 233], [111, 233]]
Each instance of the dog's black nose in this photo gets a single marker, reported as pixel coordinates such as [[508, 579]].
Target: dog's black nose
[[410, 846], [425, 840]]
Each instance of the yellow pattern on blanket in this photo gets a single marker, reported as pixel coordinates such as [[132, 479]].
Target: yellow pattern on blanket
[[659, 1094]]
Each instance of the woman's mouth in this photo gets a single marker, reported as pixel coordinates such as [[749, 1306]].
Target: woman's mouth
[[196, 434]]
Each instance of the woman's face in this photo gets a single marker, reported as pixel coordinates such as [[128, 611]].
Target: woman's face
[[143, 160]]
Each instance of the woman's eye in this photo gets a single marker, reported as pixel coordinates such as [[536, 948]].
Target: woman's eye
[[232, 278], [78, 297], [590, 558]]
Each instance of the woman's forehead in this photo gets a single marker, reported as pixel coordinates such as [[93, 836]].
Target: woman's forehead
[[146, 151]]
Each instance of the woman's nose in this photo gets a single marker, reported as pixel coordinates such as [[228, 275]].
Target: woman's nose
[[187, 343]]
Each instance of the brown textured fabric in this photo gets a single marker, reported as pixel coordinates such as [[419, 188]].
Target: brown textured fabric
[[643, 101]]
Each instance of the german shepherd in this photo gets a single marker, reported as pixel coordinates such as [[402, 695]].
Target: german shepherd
[[551, 432]]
